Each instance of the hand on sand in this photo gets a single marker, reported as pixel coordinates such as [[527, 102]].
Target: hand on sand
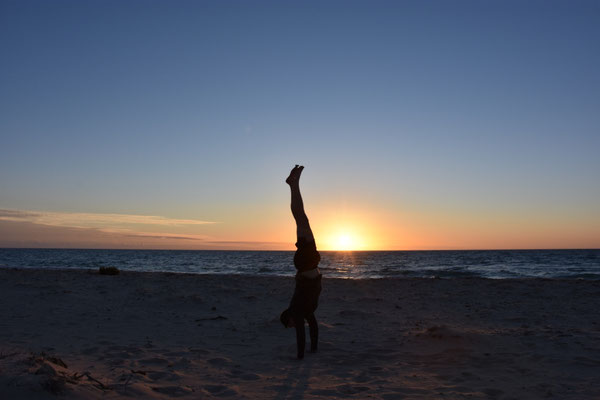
[[294, 175]]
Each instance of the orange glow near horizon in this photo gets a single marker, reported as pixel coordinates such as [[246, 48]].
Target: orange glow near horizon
[[347, 238], [348, 228], [336, 228], [343, 242]]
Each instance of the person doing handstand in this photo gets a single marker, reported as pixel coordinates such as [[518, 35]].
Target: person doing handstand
[[308, 277]]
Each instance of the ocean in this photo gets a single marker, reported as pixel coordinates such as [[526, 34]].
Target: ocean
[[495, 264]]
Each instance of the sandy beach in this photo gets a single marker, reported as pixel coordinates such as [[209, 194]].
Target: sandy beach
[[78, 334]]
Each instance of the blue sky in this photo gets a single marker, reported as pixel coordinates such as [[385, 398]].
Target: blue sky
[[408, 113]]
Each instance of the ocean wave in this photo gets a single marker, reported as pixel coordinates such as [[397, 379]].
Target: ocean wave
[[561, 264]]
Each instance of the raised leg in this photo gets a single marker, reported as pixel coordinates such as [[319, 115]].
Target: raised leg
[[302, 226]]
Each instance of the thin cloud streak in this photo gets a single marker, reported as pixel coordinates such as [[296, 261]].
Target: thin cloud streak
[[25, 234], [92, 220], [246, 242], [154, 236]]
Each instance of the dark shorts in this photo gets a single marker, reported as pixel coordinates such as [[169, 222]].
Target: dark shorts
[[307, 257]]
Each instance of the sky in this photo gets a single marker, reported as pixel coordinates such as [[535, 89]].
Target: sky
[[421, 124]]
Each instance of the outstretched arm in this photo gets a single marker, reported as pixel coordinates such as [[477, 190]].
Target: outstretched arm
[[297, 205]]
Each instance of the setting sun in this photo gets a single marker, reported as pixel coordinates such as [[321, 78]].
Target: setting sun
[[345, 242]]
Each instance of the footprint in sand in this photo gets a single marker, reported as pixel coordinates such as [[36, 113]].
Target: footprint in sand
[[154, 361], [250, 377], [353, 314], [219, 361], [182, 362], [176, 354], [118, 348], [174, 391], [89, 351], [220, 390], [198, 351], [324, 392], [121, 355], [347, 389], [493, 392], [162, 375]]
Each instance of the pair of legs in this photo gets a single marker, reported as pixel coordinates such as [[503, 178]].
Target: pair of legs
[[303, 230], [301, 335]]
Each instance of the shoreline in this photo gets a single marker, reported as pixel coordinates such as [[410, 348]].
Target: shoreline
[[557, 264], [92, 271], [192, 335]]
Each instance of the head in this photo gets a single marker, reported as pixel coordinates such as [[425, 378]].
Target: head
[[286, 318]]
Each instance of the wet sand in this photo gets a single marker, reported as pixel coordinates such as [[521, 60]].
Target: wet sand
[[158, 335]]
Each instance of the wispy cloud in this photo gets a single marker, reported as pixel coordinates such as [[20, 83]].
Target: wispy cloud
[[162, 237], [27, 228], [108, 222], [247, 243]]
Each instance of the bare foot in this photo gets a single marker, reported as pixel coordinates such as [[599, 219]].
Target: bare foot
[[294, 175]]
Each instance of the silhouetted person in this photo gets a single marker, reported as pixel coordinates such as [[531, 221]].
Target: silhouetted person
[[308, 277]]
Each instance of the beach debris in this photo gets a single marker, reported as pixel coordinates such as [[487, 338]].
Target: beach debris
[[99, 384], [56, 374], [42, 357], [108, 271], [53, 372], [138, 372]]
